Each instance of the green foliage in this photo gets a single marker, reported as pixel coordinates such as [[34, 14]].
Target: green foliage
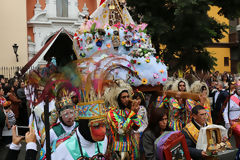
[[184, 27]]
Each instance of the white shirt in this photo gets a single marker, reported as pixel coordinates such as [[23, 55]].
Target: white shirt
[[143, 113], [53, 135], [234, 110], [216, 96], [62, 152]]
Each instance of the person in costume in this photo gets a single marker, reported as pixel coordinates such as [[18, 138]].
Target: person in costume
[[201, 88], [231, 115], [66, 122], [181, 85], [122, 118], [162, 101], [191, 131], [157, 125], [177, 105], [89, 139]]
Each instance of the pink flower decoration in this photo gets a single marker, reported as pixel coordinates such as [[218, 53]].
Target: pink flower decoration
[[129, 65], [81, 48], [164, 79], [99, 49], [155, 75]]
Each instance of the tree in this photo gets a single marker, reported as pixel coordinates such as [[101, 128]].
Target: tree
[[184, 27]]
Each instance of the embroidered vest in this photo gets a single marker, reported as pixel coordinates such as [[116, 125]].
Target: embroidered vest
[[58, 129], [192, 131]]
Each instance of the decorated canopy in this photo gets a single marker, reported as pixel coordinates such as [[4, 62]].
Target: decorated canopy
[[111, 28]]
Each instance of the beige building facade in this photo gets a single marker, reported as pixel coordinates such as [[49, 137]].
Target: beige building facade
[[31, 23], [13, 30]]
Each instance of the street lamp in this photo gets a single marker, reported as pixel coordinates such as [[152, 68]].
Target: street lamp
[[15, 48]]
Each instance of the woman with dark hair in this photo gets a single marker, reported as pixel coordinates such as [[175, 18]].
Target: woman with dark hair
[[15, 101], [142, 110], [158, 123], [225, 80], [138, 95]]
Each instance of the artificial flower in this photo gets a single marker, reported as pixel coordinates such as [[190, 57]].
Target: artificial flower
[[108, 45], [161, 71], [155, 75], [144, 81]]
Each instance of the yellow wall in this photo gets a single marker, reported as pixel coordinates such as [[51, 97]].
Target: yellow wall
[[13, 29], [220, 53]]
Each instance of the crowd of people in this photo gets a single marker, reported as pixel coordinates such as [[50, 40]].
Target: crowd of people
[[13, 110], [129, 128]]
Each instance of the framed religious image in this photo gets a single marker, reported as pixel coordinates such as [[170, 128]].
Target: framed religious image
[[213, 136], [175, 147]]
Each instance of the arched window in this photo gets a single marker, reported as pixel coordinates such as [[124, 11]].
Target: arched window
[[62, 8]]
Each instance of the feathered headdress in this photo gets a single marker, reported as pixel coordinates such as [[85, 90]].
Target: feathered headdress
[[97, 76], [197, 87], [199, 83], [111, 94]]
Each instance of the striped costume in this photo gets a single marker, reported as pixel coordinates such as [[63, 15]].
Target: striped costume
[[121, 124]]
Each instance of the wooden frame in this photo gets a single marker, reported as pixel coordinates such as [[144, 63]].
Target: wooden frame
[[213, 136], [173, 142]]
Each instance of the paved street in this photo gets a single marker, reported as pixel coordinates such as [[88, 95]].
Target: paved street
[[226, 156]]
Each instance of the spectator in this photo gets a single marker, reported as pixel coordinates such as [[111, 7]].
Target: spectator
[[31, 147], [219, 97], [142, 112], [10, 121], [157, 125], [15, 102], [3, 82], [23, 118], [225, 81], [2, 117]]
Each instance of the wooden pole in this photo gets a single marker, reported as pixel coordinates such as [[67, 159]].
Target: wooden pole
[[47, 128]]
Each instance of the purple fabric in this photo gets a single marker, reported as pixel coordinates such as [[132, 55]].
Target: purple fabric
[[159, 143]]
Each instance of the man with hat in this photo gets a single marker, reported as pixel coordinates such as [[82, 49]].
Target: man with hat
[[66, 122], [89, 139], [123, 119]]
